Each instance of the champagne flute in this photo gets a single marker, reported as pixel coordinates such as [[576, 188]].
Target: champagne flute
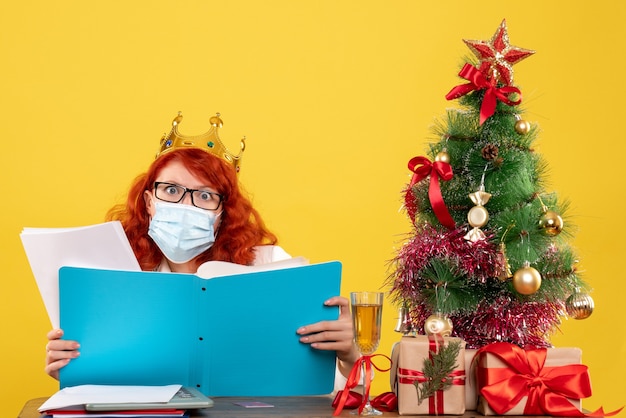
[[367, 309]]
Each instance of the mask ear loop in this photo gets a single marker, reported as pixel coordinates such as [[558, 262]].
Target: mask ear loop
[[217, 230]]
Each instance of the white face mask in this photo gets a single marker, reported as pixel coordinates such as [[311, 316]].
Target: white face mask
[[182, 232]]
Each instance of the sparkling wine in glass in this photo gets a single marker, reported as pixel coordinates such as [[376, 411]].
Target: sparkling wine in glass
[[367, 310]]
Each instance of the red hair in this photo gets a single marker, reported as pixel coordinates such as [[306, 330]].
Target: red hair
[[241, 227]]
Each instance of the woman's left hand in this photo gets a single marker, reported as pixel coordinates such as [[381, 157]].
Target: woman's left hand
[[334, 335]]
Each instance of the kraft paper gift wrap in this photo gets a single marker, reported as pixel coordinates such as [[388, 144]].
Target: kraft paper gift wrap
[[471, 385], [537, 382], [408, 357]]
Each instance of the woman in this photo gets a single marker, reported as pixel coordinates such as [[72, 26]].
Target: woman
[[188, 209]]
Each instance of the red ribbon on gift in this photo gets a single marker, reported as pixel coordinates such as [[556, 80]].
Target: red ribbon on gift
[[386, 401], [547, 388], [435, 402], [478, 81], [364, 362], [408, 376], [422, 167]]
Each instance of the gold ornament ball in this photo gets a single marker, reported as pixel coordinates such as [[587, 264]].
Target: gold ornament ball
[[443, 156], [526, 280], [522, 127], [551, 223], [579, 305], [437, 324]]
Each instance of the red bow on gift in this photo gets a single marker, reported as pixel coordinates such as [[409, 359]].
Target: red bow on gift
[[386, 401], [547, 388], [421, 168], [478, 81], [364, 362]]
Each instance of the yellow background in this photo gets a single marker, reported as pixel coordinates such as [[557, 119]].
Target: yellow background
[[334, 96]]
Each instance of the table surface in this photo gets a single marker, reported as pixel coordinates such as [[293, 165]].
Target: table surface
[[295, 407], [305, 407]]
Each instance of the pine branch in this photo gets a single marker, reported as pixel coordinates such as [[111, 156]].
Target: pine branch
[[448, 289], [437, 371]]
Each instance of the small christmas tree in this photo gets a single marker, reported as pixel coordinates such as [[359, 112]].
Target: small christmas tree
[[488, 256]]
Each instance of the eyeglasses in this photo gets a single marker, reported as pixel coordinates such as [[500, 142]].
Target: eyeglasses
[[173, 193]]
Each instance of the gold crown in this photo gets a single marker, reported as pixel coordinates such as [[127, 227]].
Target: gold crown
[[209, 141]]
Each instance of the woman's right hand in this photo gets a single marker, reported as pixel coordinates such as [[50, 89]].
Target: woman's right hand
[[59, 352]]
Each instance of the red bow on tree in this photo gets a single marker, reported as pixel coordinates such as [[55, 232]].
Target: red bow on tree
[[422, 168], [478, 81]]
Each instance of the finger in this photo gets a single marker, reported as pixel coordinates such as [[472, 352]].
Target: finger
[[53, 368], [337, 301], [344, 314], [337, 346], [320, 327], [345, 350], [55, 334], [62, 345], [341, 336], [55, 355], [343, 303], [55, 360]]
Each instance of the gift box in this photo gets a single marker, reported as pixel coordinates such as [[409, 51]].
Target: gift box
[[408, 376], [514, 381], [471, 385]]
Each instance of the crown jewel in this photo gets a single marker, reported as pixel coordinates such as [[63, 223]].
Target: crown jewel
[[209, 141]]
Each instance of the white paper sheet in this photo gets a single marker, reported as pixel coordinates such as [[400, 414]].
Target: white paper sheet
[[102, 246], [84, 394], [212, 269]]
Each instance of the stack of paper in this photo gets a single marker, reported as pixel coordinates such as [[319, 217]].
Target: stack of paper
[[72, 402], [83, 413], [102, 246]]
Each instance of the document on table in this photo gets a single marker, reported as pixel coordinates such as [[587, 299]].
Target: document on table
[[102, 246], [85, 394]]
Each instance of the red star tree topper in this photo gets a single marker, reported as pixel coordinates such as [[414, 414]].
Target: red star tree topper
[[497, 55]]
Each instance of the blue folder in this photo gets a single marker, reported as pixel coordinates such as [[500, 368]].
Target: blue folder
[[226, 336]]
